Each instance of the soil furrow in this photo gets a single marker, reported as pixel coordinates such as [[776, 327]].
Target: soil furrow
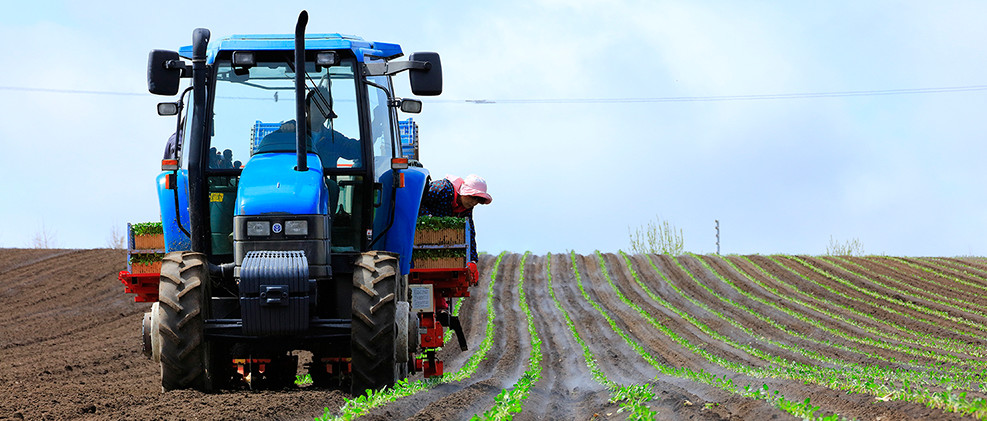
[[793, 324], [916, 283], [617, 360], [952, 279], [883, 309], [818, 297], [567, 388], [925, 310]]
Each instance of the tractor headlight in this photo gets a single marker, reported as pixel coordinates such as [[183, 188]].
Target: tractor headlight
[[296, 227], [258, 228]]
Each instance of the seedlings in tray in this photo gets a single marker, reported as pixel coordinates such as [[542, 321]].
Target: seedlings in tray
[[146, 228], [436, 223], [146, 258], [434, 254]]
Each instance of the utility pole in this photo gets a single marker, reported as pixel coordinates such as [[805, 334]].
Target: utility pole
[[717, 236]]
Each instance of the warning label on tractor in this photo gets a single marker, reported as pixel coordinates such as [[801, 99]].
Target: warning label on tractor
[[421, 298], [215, 197]]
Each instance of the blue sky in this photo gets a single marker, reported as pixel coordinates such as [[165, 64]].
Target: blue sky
[[900, 173]]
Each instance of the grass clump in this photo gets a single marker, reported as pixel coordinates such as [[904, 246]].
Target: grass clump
[[847, 248], [657, 237]]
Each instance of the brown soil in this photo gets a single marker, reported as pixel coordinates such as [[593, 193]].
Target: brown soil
[[69, 339]]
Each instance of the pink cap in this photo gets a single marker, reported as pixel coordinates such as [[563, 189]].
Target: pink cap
[[472, 185]]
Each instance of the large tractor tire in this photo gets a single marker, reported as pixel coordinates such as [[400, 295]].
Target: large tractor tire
[[377, 288], [180, 339]]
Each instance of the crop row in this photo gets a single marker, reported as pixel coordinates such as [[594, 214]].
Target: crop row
[[631, 398], [511, 401], [932, 316], [894, 283], [934, 344], [976, 285], [841, 379], [939, 277], [843, 369], [926, 376], [803, 409]]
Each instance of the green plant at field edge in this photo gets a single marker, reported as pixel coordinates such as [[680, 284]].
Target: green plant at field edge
[[657, 237], [848, 248]]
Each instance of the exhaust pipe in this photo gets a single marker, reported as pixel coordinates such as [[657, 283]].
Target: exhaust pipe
[[198, 159], [301, 126]]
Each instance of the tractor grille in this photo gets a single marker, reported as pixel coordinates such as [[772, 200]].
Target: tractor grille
[[248, 236]]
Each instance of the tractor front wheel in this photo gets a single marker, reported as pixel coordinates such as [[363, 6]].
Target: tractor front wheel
[[373, 339], [179, 328]]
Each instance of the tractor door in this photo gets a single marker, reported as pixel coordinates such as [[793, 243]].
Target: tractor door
[[383, 128]]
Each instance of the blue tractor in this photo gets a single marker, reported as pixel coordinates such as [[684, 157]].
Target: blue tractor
[[289, 210]]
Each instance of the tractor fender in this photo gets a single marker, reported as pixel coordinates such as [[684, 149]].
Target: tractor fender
[[401, 236], [175, 239]]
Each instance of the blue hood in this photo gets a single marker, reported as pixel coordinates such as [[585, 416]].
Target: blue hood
[[269, 184]]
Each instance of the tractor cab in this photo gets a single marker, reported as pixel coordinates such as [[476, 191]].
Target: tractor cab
[[350, 135], [289, 211]]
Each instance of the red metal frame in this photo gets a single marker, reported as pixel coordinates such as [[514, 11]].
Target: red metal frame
[[335, 365], [245, 366], [145, 285], [430, 366], [446, 283]]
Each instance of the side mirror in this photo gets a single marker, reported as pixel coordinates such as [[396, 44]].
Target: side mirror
[[428, 81], [167, 108], [163, 75], [412, 106]]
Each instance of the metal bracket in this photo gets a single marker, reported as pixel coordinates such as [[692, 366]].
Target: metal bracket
[[273, 295], [395, 67]]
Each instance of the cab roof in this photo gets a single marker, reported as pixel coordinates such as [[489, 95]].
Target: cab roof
[[271, 42]]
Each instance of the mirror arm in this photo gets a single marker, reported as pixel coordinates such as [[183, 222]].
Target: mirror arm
[[179, 65], [395, 67]]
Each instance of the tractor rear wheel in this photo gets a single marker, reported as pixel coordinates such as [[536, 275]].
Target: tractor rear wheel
[[373, 338], [180, 326]]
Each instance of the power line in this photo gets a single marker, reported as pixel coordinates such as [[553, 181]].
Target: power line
[[68, 91], [712, 98], [716, 98]]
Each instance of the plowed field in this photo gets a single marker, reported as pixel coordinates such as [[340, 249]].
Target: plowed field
[[601, 336]]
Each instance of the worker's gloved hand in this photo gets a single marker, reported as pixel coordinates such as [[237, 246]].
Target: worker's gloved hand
[[288, 126]]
